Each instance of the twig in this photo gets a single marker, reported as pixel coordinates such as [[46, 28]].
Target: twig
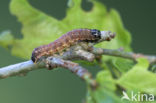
[[27, 66], [121, 53], [20, 68], [73, 67]]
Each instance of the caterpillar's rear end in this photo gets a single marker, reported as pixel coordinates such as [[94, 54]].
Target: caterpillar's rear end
[[65, 41]]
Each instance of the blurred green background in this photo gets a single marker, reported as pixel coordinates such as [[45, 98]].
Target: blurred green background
[[61, 86]]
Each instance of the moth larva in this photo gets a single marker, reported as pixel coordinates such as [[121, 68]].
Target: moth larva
[[68, 39]]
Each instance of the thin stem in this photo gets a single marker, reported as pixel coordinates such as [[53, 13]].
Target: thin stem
[[121, 53]]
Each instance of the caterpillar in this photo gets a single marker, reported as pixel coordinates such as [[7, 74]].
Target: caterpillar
[[69, 39]]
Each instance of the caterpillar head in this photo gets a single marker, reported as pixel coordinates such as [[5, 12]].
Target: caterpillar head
[[102, 35], [96, 33]]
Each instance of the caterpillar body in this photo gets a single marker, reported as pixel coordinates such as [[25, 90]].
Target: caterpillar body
[[67, 40]]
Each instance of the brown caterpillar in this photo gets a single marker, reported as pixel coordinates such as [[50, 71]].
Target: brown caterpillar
[[67, 40]]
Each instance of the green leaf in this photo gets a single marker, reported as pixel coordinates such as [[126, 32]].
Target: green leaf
[[105, 91], [139, 78], [104, 78], [39, 28], [123, 65], [102, 95], [113, 22], [153, 68], [6, 39]]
